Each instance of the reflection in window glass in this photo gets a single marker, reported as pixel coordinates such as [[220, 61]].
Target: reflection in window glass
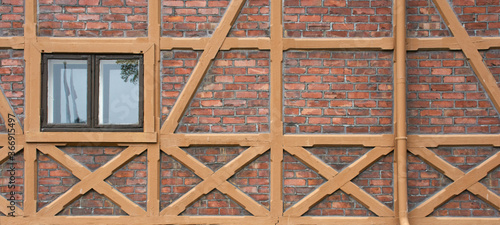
[[119, 92], [67, 91]]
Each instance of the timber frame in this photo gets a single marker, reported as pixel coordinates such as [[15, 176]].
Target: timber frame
[[156, 139]]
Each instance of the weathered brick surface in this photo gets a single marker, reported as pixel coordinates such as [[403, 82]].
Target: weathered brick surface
[[298, 180], [199, 18], [492, 59], [338, 92], [93, 18], [92, 204], [15, 180], [215, 203], [53, 180], [254, 179], [492, 180], [131, 180], [12, 82], [214, 157], [176, 67], [466, 204], [92, 157], [377, 180], [465, 157], [175, 180], [339, 204], [423, 181], [233, 96], [424, 20], [480, 18], [337, 18], [445, 96], [11, 18]]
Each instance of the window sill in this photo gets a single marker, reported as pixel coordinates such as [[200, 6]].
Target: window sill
[[98, 137]]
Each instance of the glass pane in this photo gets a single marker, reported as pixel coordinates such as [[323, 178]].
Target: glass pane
[[119, 92], [67, 91]]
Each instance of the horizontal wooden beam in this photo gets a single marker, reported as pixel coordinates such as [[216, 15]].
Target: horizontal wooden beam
[[451, 43], [185, 140], [229, 43], [338, 220], [104, 137], [454, 220], [338, 43], [324, 139], [139, 220], [436, 140], [92, 45], [12, 42]]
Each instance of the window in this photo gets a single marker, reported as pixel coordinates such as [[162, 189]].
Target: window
[[92, 92]]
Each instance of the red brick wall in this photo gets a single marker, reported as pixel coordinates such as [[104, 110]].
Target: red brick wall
[[54, 180], [338, 92], [480, 18], [233, 96], [199, 18], [93, 18], [12, 81], [11, 18], [337, 18], [17, 184], [445, 96]]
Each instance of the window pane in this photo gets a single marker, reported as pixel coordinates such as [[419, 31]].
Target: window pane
[[119, 91], [67, 91]]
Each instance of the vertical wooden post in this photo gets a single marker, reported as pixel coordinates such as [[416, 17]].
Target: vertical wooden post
[[400, 195], [30, 161], [276, 108], [154, 35]]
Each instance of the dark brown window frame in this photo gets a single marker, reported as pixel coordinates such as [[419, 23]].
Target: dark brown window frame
[[92, 124]]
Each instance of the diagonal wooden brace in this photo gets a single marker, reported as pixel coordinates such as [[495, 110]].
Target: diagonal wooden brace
[[337, 181], [212, 180], [91, 180], [455, 174]]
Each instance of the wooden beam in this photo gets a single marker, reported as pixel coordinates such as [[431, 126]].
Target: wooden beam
[[338, 43], [326, 220], [4, 207], [451, 43], [326, 139], [185, 140], [4, 152], [457, 140], [454, 220], [457, 187], [454, 173], [211, 50], [139, 220], [99, 137], [482, 72], [54, 45], [338, 181], [167, 43], [276, 108], [30, 180], [12, 42]]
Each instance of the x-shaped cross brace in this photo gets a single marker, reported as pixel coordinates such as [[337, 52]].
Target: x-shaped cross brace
[[91, 180], [4, 154], [338, 180], [215, 180], [462, 181]]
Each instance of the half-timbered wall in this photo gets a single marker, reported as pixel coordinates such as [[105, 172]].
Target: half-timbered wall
[[262, 112]]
